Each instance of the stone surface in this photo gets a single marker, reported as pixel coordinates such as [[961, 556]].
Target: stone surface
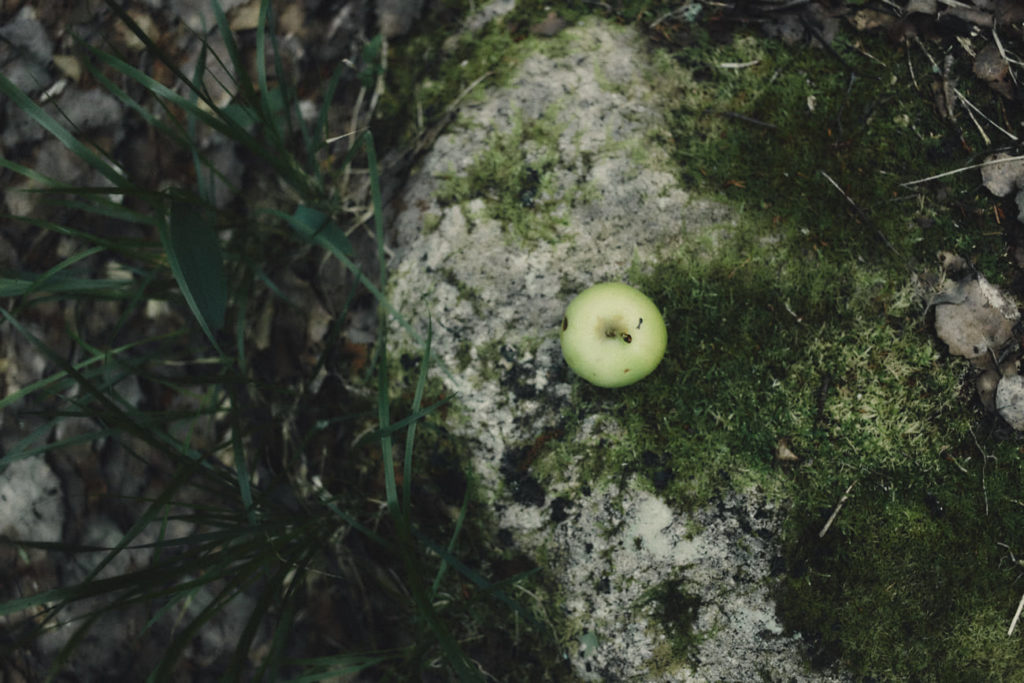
[[1010, 401], [975, 317], [1002, 173], [77, 109], [25, 51], [396, 17], [584, 113], [31, 506], [199, 15]]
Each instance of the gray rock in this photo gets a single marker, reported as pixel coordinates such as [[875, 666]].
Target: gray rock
[[31, 505], [198, 15], [28, 75], [1002, 173], [78, 110], [57, 162], [1010, 401], [87, 110], [488, 12], [597, 198], [218, 77], [25, 52], [228, 165], [27, 36]]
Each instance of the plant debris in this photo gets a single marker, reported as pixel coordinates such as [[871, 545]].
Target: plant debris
[[976, 320]]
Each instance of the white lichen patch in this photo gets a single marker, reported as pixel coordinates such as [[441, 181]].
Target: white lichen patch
[[591, 119], [621, 544]]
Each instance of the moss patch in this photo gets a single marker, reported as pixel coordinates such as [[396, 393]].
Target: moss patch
[[676, 607], [513, 176], [804, 328]]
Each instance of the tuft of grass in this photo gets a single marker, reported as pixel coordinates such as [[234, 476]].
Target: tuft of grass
[[238, 519]]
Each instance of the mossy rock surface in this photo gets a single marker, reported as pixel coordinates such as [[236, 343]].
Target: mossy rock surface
[[760, 206]]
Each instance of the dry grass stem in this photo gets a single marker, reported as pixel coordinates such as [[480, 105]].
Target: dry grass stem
[[991, 162], [1016, 616], [835, 512]]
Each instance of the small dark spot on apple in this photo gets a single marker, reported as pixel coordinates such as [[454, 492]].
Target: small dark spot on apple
[[640, 323], [626, 338], [565, 324]]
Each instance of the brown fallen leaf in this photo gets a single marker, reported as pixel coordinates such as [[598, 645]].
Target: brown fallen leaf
[[784, 454], [975, 319], [549, 26], [991, 67]]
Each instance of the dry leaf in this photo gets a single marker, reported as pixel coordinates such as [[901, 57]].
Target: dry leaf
[[784, 454], [991, 67], [549, 26], [973, 317], [1002, 178]]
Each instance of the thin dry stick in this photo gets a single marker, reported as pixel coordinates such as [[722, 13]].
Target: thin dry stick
[[1002, 53], [984, 466], [971, 107], [841, 190], [970, 112], [839, 506], [910, 67], [863, 216], [990, 162], [738, 65], [1016, 616]]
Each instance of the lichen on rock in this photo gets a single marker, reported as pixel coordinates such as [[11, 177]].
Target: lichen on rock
[[580, 127]]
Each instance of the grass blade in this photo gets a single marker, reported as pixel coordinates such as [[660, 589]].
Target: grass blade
[[194, 254], [55, 128], [443, 568], [410, 436]]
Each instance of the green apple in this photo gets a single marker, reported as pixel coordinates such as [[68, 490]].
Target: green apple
[[613, 335]]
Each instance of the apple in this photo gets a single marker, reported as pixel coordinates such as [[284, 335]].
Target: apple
[[613, 335]]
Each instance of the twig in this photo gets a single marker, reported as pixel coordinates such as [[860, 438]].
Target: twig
[[738, 65], [970, 105], [863, 216], [990, 162], [841, 190], [839, 506], [920, 44], [970, 112], [1016, 616], [741, 117], [910, 67], [1002, 53], [984, 466]]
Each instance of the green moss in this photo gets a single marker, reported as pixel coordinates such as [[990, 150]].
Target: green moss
[[914, 564], [675, 606], [464, 355], [801, 326], [796, 326], [780, 135], [514, 178], [431, 222]]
